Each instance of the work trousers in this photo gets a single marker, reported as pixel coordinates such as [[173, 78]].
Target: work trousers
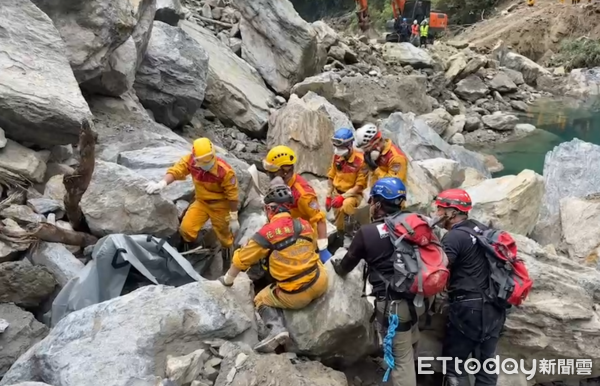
[[473, 329], [348, 209], [404, 345], [423, 41], [199, 213], [273, 296]]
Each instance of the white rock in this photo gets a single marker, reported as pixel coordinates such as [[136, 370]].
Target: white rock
[[500, 121], [318, 103], [457, 139], [55, 188], [235, 91], [172, 77], [406, 54], [323, 84], [584, 82], [131, 332], [325, 34], [45, 205], [54, 256], [458, 63], [578, 217], [41, 101], [511, 203], [22, 213], [185, 369], [3, 325], [21, 160], [438, 120], [447, 172], [116, 202], [502, 83], [530, 69]]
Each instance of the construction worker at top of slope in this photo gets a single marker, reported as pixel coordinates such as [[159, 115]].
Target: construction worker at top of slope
[[381, 155], [424, 32], [216, 189], [415, 28], [288, 246], [280, 162], [347, 176]]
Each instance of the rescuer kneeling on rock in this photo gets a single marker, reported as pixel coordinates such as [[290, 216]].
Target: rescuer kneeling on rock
[[286, 249], [216, 189]]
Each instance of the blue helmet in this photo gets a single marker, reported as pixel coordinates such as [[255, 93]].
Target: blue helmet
[[389, 188], [404, 19], [342, 137]]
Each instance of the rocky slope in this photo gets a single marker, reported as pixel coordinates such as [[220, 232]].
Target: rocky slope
[[138, 81]]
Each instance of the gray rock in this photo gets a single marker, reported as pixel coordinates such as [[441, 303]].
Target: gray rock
[[583, 82], [472, 123], [9, 251], [116, 202], [235, 92], [206, 11], [318, 103], [458, 63], [55, 188], [457, 139], [453, 107], [515, 76], [43, 104], [530, 69], [500, 121], [343, 53], [447, 172], [61, 153], [185, 369], [22, 333], [523, 129], [519, 106], [131, 350], [172, 77], [278, 43], [94, 30], [364, 98], [23, 161], [182, 206], [236, 46], [326, 35], [502, 83], [581, 235], [169, 11], [2, 139], [456, 126], [421, 142], [54, 256], [566, 174], [45, 205], [473, 66], [24, 284], [22, 214], [3, 325], [323, 84], [31, 384], [406, 54], [438, 120], [471, 88]]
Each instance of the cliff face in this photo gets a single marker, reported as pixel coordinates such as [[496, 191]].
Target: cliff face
[[312, 10]]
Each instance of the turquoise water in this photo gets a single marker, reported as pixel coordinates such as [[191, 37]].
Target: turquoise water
[[557, 121]]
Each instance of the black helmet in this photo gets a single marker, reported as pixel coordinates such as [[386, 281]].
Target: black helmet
[[279, 194]]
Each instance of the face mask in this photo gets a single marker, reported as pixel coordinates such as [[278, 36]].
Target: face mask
[[375, 154], [373, 209], [207, 167], [339, 151]]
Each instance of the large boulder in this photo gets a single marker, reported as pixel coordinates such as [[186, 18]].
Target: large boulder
[[173, 75], [566, 174], [23, 161], [326, 35], [511, 203], [448, 173], [278, 42], [502, 83], [58, 260], [25, 284], [318, 103], [406, 54], [116, 202], [421, 142], [500, 121], [457, 64], [323, 84], [337, 325], [584, 82], [40, 101], [235, 92], [23, 332], [365, 98], [307, 131], [97, 33], [471, 88], [133, 334], [242, 366], [578, 217], [422, 187], [438, 120], [530, 69]]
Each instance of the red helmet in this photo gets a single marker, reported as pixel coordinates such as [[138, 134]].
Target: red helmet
[[454, 198]]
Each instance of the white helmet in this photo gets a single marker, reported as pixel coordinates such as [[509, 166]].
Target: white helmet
[[365, 135]]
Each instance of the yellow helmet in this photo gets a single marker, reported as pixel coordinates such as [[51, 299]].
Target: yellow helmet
[[277, 157], [203, 151]]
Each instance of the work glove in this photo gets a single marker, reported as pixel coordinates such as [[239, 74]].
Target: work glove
[[226, 280], [337, 267], [324, 255], [234, 224], [328, 203], [155, 187], [337, 202]]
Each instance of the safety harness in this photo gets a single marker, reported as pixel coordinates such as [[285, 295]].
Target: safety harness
[[281, 245]]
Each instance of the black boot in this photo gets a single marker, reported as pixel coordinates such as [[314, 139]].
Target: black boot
[[278, 335], [226, 254]]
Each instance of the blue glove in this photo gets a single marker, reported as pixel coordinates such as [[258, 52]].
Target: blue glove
[[325, 255]]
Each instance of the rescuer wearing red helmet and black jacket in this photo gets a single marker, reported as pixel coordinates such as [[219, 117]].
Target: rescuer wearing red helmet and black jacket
[[473, 326]]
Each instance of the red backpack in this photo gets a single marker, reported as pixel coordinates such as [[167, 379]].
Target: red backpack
[[509, 279], [420, 263]]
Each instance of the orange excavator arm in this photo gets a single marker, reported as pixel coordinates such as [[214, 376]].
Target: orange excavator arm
[[398, 7], [363, 4]]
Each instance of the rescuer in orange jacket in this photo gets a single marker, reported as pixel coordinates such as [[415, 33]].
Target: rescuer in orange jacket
[[216, 187], [280, 161], [347, 178], [286, 246], [381, 155]]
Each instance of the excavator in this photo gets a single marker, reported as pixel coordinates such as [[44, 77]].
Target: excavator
[[409, 9]]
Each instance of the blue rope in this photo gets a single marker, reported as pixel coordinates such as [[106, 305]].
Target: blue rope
[[388, 353]]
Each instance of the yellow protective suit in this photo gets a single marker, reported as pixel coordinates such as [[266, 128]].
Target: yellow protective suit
[[391, 163], [346, 174], [297, 270], [214, 190], [306, 205]]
